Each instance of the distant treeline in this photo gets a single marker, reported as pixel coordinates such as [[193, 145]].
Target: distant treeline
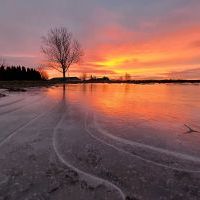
[[10, 73]]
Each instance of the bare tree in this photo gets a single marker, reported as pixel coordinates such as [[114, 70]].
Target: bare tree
[[61, 49], [2, 61], [43, 73], [127, 77], [84, 76]]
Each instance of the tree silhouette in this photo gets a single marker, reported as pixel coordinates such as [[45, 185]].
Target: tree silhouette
[[83, 77], [11, 73], [127, 77], [61, 49]]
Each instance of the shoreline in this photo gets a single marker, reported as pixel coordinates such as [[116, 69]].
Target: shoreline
[[22, 86], [47, 83]]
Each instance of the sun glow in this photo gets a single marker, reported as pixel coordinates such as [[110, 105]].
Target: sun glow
[[112, 62], [156, 57]]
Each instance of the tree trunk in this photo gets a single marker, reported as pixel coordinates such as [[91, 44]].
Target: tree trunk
[[64, 77]]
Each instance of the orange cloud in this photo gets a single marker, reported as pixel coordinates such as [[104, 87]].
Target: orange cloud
[[171, 51], [157, 56]]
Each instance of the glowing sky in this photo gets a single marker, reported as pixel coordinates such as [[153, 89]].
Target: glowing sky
[[145, 38]]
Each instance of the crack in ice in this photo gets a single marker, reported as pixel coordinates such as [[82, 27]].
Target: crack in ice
[[13, 133], [85, 175], [135, 144]]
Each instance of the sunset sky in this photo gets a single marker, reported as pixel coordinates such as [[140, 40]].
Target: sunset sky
[[145, 38]]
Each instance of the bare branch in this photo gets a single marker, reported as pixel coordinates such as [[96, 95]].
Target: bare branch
[[61, 49]]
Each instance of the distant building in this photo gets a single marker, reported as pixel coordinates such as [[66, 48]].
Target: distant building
[[67, 79]]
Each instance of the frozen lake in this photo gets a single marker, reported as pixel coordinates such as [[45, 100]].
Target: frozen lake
[[101, 141]]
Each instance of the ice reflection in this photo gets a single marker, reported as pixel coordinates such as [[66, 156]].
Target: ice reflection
[[151, 114]]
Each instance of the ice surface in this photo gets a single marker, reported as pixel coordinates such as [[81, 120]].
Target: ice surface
[[100, 142]]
